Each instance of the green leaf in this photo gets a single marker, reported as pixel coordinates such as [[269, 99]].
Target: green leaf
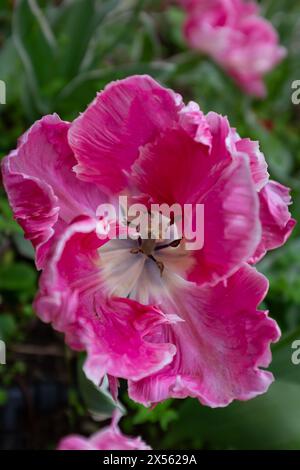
[[24, 246], [35, 42], [9, 67], [97, 399], [7, 223], [282, 366], [84, 87], [17, 277], [75, 28], [8, 326], [276, 152], [271, 421], [162, 414]]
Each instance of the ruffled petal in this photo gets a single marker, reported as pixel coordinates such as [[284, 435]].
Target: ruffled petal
[[220, 347], [116, 341], [113, 331], [178, 166], [42, 188], [250, 150], [232, 227], [70, 272], [194, 122], [35, 207], [277, 222], [106, 138]]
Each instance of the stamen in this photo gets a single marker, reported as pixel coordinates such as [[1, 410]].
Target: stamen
[[135, 251], [173, 244], [147, 246], [159, 264]]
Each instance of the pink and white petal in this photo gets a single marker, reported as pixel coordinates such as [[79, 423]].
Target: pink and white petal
[[177, 169], [75, 442], [258, 164], [45, 154], [70, 273], [43, 252], [221, 346], [194, 122], [41, 185], [128, 114], [113, 385], [113, 439], [251, 84], [232, 229], [34, 205], [72, 276], [112, 331], [171, 169], [277, 222], [250, 149], [116, 340], [109, 438]]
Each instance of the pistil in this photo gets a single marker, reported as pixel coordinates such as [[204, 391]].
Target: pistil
[[148, 247]]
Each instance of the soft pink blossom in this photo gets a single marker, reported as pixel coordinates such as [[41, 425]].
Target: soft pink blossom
[[109, 438], [193, 328], [234, 34]]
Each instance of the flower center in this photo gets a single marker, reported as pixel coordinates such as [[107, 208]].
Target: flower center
[[148, 265], [149, 246], [146, 270]]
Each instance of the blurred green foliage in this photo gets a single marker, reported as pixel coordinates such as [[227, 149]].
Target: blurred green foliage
[[54, 57]]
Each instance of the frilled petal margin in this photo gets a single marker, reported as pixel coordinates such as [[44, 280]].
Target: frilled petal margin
[[220, 347], [277, 222], [106, 138], [43, 191]]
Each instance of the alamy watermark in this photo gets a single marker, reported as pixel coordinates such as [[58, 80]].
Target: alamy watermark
[[296, 352], [152, 222], [2, 92], [2, 352], [296, 93]]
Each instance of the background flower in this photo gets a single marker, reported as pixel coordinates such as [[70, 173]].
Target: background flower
[[109, 438], [234, 34]]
